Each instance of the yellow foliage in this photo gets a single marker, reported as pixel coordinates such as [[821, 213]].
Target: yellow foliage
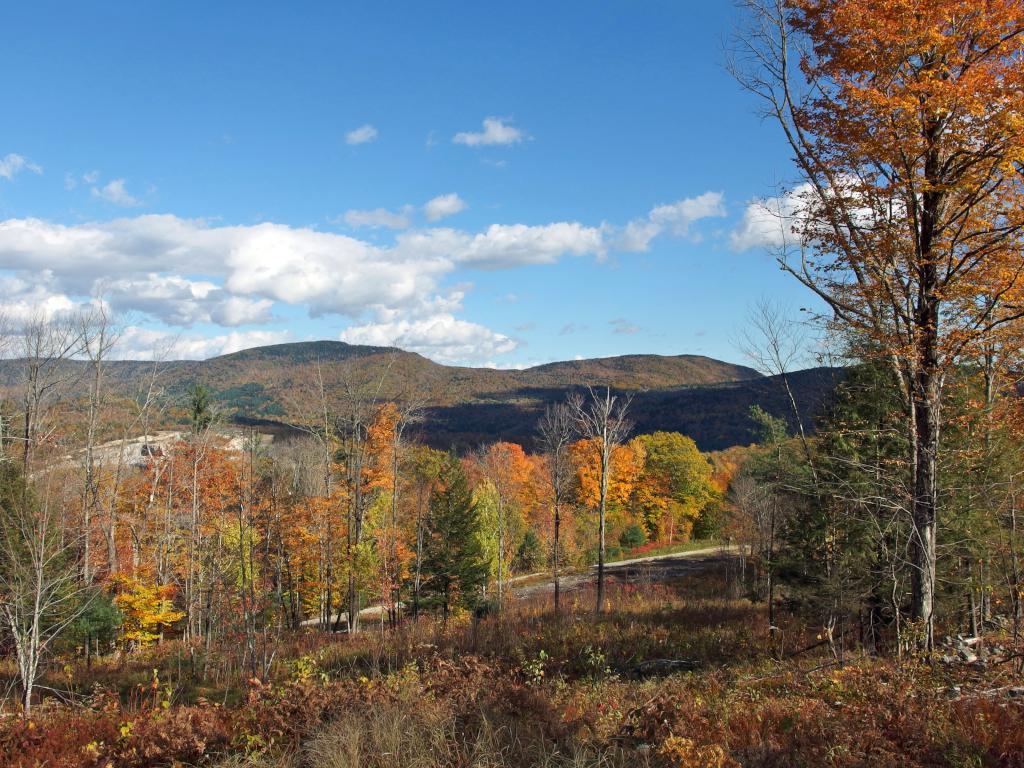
[[147, 609]]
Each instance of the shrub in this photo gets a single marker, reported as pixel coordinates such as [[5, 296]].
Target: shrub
[[633, 537]]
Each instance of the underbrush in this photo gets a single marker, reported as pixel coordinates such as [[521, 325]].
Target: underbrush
[[527, 689]]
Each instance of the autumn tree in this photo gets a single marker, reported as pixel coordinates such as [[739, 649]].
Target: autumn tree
[[507, 469], [675, 483], [906, 121], [147, 610]]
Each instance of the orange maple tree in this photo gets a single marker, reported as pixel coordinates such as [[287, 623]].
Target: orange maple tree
[[906, 121]]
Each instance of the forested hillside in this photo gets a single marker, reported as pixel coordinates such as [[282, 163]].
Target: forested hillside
[[277, 386]]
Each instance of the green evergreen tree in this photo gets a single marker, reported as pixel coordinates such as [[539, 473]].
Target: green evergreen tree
[[632, 537], [200, 407], [530, 554], [454, 568]]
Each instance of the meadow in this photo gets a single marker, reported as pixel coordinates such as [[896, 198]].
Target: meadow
[[678, 673]]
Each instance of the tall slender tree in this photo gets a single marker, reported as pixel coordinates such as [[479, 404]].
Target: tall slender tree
[[601, 418], [555, 430]]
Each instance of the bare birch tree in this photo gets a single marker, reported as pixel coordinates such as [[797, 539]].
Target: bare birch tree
[[601, 418]]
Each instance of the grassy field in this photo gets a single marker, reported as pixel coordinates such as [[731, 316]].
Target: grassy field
[[527, 688]]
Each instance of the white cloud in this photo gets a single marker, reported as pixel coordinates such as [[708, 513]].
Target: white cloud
[[444, 205], [676, 218], [378, 218], [769, 222], [176, 300], [637, 235], [512, 366], [138, 343], [442, 337], [325, 271], [361, 135], [184, 272], [117, 193], [507, 245], [496, 131], [13, 164], [23, 300], [187, 270]]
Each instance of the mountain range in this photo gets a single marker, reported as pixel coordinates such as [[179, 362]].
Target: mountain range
[[287, 384]]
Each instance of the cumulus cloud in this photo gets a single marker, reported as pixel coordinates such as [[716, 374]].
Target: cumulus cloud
[[116, 192], [13, 164], [676, 218], [177, 300], [188, 272], [364, 134], [137, 343], [507, 245], [378, 218], [444, 205], [23, 301], [496, 132], [326, 272], [442, 337], [768, 222]]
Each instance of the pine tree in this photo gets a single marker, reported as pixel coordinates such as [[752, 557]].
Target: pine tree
[[453, 563]]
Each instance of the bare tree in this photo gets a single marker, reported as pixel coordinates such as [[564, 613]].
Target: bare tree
[[40, 590], [757, 508], [601, 418], [555, 431], [360, 401], [775, 343], [45, 347], [97, 336], [409, 412]]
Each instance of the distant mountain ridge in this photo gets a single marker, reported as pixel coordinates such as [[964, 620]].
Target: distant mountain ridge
[[277, 384]]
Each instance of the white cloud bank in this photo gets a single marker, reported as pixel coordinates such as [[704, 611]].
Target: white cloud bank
[[137, 343], [188, 272]]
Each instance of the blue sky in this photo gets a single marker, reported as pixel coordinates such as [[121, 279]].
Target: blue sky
[[483, 184]]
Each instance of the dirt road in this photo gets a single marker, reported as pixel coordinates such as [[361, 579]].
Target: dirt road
[[639, 570], [644, 570]]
